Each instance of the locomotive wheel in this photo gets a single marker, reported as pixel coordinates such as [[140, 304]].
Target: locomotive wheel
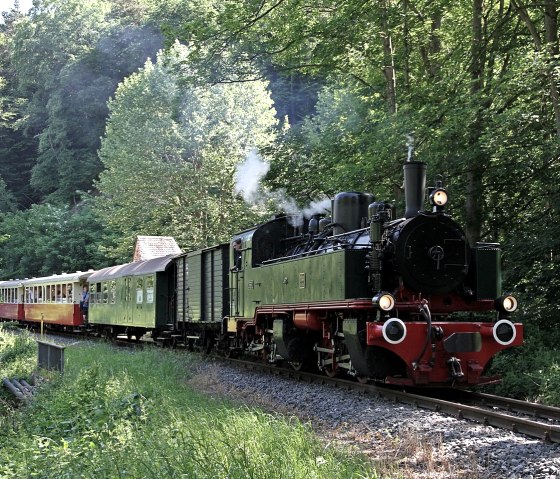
[[296, 365], [362, 379], [330, 370]]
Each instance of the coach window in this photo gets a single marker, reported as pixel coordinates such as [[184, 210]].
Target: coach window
[[105, 292], [98, 293], [149, 289], [63, 293], [139, 290], [113, 291], [69, 297]]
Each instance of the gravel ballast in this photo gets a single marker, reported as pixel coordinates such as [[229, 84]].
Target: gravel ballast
[[401, 440]]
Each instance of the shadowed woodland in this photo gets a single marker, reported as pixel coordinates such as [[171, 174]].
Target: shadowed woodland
[[130, 117]]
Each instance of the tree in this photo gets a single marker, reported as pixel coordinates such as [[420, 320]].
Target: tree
[[69, 57], [17, 151], [170, 155], [47, 239], [7, 200]]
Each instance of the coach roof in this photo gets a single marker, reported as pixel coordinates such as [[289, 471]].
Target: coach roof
[[59, 278], [138, 268]]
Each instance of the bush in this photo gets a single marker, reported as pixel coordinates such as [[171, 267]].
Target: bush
[[531, 371]]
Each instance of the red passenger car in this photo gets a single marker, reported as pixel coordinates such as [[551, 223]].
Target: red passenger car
[[55, 299], [11, 300]]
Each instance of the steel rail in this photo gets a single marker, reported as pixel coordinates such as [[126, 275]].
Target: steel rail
[[514, 405], [539, 430], [547, 432]]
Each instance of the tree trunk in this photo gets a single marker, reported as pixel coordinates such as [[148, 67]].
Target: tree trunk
[[551, 41], [551, 38], [475, 168], [388, 61]]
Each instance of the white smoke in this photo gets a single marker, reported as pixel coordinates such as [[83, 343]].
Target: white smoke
[[248, 177], [410, 145], [248, 184], [317, 207]]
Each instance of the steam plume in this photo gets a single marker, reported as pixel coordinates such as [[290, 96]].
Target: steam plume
[[249, 175], [248, 184], [410, 145]]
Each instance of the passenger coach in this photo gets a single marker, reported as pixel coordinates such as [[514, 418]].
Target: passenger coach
[[55, 299], [132, 298], [11, 300]]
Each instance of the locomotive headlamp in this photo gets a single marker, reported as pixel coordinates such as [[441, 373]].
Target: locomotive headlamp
[[438, 197], [506, 303], [384, 301]]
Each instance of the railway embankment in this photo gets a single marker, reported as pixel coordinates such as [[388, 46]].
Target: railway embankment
[[399, 439], [137, 413]]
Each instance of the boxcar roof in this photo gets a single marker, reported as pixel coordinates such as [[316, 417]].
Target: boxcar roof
[[59, 278], [138, 268]]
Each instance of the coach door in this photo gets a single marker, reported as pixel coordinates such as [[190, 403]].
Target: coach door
[[130, 300]]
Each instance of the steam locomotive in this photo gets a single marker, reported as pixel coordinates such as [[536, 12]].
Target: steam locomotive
[[402, 300]]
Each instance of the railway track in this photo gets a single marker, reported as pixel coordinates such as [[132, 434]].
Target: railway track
[[534, 420], [531, 419]]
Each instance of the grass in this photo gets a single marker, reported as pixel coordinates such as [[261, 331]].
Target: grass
[[132, 414]]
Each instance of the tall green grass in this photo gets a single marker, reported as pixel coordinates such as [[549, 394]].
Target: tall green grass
[[131, 414], [17, 352]]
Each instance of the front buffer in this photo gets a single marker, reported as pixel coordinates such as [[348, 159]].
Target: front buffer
[[437, 354]]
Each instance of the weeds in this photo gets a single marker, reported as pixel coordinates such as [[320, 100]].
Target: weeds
[[117, 414]]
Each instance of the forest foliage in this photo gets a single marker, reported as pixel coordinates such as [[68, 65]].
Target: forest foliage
[[129, 117]]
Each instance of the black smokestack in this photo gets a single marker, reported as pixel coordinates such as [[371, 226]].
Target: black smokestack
[[414, 187]]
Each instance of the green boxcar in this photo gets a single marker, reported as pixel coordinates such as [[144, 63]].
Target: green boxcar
[[202, 285], [134, 296]]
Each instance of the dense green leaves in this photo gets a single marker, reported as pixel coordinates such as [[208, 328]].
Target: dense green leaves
[[68, 58], [170, 154], [45, 240], [474, 83]]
